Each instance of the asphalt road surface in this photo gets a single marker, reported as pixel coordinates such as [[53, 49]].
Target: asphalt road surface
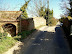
[[48, 40]]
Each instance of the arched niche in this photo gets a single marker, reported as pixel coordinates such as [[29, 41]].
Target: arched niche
[[10, 28]]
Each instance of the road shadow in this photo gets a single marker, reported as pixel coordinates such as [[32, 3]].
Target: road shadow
[[44, 42], [58, 35], [61, 41], [40, 41]]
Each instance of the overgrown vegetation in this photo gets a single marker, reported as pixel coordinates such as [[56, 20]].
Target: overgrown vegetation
[[52, 22], [24, 34], [23, 9], [62, 18], [66, 19], [48, 15], [8, 42], [70, 9]]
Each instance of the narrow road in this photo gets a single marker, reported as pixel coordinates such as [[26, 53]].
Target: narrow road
[[48, 40]]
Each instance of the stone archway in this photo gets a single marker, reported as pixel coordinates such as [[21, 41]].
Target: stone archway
[[10, 28]]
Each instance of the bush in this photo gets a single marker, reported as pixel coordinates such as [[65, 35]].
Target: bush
[[52, 22], [24, 34]]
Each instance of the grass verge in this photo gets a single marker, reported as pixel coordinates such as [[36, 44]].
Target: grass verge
[[24, 34], [8, 42]]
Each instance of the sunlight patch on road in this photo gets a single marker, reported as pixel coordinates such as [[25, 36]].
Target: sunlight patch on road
[[51, 29], [44, 39], [32, 38], [35, 44]]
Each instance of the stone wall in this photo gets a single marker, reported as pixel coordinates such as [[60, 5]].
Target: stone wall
[[27, 24], [38, 21], [32, 23]]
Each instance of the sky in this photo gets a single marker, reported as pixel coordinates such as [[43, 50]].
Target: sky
[[15, 5]]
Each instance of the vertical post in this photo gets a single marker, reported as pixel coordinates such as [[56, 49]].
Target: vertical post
[[48, 11], [20, 23], [48, 3]]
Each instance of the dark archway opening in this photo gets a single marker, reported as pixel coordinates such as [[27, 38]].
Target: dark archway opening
[[10, 28]]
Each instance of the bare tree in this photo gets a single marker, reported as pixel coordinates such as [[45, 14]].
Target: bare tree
[[35, 5], [64, 7]]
